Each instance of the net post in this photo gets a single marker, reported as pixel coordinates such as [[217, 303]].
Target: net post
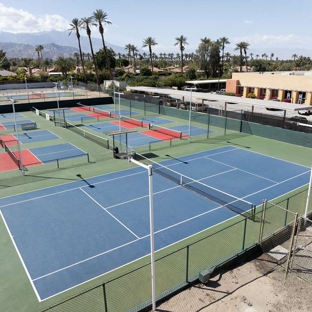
[[57, 163], [88, 158]]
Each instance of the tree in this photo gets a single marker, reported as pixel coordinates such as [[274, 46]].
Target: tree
[[101, 17], [203, 55], [181, 42], [4, 62], [223, 41], [294, 56], [64, 65], [101, 58], [134, 49], [214, 60], [86, 23], [75, 25], [149, 42], [76, 56], [242, 47], [39, 49], [128, 48]]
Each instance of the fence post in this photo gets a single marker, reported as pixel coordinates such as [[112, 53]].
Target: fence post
[[286, 212], [208, 125], [104, 297], [291, 244], [264, 204], [57, 162], [187, 262], [244, 234]]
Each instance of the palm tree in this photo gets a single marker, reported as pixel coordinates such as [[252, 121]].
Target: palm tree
[[242, 46], [134, 49], [257, 56], [149, 42], [223, 41], [101, 17], [75, 25], [86, 22], [271, 57], [251, 56], [294, 56], [39, 49], [128, 48], [181, 42]]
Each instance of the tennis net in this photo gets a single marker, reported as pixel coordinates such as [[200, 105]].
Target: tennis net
[[132, 121], [163, 130], [95, 110], [88, 135], [226, 200], [11, 154]]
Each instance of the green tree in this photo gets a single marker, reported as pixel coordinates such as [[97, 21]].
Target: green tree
[[214, 60], [75, 26], [203, 51], [145, 71], [223, 41], [149, 42], [101, 59], [181, 42], [128, 48], [39, 49], [242, 47], [101, 18], [4, 62], [64, 65], [86, 23]]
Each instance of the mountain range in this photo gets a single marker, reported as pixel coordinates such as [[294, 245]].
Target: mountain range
[[55, 44], [59, 43]]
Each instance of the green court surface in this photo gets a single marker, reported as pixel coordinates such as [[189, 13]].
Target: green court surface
[[132, 288]]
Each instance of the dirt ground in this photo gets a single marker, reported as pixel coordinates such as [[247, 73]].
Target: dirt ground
[[255, 286]]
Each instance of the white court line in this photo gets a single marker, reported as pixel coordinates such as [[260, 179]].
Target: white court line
[[20, 257], [109, 213], [272, 186], [256, 175], [85, 260], [57, 152], [78, 148], [59, 192]]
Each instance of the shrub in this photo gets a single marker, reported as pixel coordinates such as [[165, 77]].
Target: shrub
[[287, 100], [229, 93], [251, 95], [238, 95]]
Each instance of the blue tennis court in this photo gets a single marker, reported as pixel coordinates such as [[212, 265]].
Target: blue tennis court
[[103, 127], [60, 151], [194, 130], [11, 116], [78, 231], [36, 136], [11, 124]]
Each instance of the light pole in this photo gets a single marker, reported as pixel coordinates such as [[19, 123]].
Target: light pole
[[151, 215], [26, 89], [57, 102], [190, 116], [71, 82], [18, 144]]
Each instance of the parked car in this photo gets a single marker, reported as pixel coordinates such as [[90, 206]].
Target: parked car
[[300, 119], [221, 91]]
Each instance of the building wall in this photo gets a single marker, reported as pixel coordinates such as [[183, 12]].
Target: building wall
[[273, 81]]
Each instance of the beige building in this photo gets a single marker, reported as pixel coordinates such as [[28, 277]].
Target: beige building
[[292, 87]]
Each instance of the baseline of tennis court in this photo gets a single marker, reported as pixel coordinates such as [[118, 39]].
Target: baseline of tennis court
[[108, 216]]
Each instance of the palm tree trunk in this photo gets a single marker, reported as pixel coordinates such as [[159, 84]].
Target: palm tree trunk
[[107, 58], [82, 62], [94, 61]]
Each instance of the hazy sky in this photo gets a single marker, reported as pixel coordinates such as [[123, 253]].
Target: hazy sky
[[264, 24]]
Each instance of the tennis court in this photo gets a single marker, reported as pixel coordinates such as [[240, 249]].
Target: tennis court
[[108, 216], [11, 116], [29, 137], [11, 124]]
